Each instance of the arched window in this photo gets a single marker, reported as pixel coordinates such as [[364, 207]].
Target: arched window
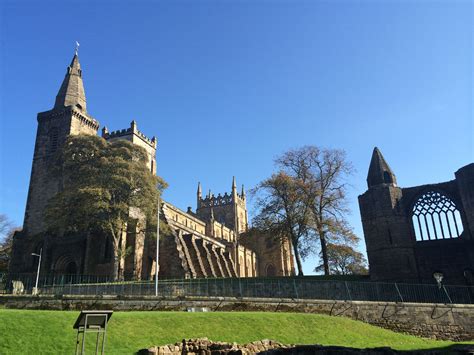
[[435, 216], [270, 270]]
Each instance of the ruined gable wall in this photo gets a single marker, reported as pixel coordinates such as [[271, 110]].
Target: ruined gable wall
[[393, 251]]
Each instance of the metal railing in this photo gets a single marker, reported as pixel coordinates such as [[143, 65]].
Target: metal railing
[[278, 287]]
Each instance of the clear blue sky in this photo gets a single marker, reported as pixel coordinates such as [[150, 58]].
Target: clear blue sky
[[226, 86]]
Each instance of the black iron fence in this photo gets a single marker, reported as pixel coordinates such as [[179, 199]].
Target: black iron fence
[[278, 287]]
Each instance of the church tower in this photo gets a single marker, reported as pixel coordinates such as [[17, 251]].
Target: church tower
[[68, 117], [389, 249], [228, 209]]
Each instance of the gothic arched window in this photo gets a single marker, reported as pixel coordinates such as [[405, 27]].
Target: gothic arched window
[[435, 216], [270, 270]]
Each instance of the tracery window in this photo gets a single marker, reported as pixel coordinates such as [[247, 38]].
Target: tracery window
[[435, 216]]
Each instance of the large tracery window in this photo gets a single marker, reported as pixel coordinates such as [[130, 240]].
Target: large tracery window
[[435, 216]]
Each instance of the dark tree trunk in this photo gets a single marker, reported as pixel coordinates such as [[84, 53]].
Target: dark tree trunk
[[117, 254], [299, 263], [116, 265], [324, 252]]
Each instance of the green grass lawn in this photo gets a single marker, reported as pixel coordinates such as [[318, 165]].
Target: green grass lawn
[[50, 332]]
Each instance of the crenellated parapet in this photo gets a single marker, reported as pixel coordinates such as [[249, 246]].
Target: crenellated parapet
[[128, 132], [220, 200], [133, 135]]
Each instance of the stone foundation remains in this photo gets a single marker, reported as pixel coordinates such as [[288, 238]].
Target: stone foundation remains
[[204, 346]]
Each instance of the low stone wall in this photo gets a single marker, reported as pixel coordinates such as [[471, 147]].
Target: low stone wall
[[204, 346], [450, 322]]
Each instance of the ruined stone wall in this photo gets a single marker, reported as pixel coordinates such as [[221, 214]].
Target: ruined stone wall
[[393, 251], [204, 346], [465, 186], [387, 234]]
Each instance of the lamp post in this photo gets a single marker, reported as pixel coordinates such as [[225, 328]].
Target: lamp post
[[157, 246], [438, 276], [35, 289]]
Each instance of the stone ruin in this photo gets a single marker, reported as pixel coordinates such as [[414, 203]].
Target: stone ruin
[[204, 346]]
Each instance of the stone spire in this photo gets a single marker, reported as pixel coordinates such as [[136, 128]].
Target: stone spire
[[243, 191], [72, 88], [234, 184], [379, 171]]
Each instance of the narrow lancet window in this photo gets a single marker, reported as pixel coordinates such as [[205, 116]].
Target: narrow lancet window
[[53, 137]]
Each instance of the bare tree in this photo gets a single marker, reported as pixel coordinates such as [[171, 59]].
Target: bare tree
[[322, 173], [306, 200]]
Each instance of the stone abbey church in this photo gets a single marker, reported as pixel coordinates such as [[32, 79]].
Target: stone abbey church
[[212, 241]]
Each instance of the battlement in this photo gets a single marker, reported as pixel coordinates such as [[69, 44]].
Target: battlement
[[228, 209], [131, 131], [220, 200]]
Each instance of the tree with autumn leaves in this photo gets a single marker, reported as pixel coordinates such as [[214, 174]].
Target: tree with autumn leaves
[[305, 201], [101, 183]]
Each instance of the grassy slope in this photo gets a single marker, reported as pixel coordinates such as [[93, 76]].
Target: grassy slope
[[50, 332]]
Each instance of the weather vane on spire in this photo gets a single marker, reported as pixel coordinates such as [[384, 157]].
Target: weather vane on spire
[[77, 47]]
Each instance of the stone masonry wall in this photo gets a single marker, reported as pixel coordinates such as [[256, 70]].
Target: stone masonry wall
[[204, 346], [451, 322]]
